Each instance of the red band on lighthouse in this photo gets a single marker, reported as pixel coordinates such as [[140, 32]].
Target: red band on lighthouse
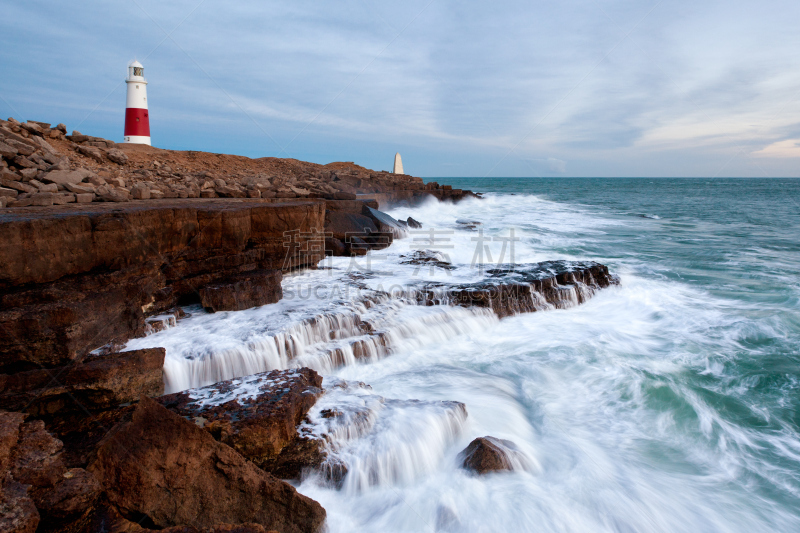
[[137, 122]]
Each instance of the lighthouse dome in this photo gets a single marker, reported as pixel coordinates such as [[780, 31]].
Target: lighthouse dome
[[135, 71]]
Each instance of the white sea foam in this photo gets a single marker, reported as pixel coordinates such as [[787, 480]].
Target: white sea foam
[[626, 406]]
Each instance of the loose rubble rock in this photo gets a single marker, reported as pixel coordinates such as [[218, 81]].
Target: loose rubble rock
[[31, 150]]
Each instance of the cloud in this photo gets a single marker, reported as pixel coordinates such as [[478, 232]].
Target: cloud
[[781, 149], [615, 89]]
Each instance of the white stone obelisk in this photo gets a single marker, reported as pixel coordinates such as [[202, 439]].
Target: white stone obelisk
[[398, 164]]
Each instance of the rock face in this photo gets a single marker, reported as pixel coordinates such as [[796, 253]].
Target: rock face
[[97, 382], [164, 468], [19, 514], [526, 288], [38, 492], [385, 223], [352, 228], [246, 290], [109, 520], [77, 277], [488, 454], [257, 416]]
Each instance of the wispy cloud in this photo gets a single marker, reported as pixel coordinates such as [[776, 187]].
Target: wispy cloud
[[517, 88]]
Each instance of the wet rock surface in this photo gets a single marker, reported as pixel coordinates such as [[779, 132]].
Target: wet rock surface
[[257, 416], [525, 288], [489, 454], [165, 469]]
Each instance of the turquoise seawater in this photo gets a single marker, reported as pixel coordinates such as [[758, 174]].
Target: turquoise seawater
[[735, 245], [669, 403]]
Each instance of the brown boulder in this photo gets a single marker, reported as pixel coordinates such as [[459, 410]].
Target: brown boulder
[[166, 469], [335, 247], [38, 487], [17, 185], [7, 151], [246, 290], [488, 454], [256, 415], [97, 382], [67, 505], [9, 193], [112, 194], [42, 199], [36, 459]]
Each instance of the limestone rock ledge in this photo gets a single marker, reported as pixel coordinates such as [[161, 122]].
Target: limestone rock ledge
[[96, 383], [73, 278]]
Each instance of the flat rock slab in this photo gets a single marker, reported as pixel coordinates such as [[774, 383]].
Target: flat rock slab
[[525, 288], [256, 415], [385, 222], [78, 276]]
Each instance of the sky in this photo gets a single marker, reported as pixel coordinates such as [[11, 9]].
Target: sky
[[476, 89]]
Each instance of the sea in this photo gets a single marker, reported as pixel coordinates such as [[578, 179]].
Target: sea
[[668, 403]]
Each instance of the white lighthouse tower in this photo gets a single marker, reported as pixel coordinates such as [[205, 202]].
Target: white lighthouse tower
[[137, 119]]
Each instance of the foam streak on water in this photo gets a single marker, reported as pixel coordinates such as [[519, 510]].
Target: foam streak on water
[[669, 403]]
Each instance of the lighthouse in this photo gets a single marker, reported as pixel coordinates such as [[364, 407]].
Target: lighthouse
[[137, 119]]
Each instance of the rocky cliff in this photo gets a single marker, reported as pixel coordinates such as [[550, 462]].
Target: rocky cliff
[[40, 166]]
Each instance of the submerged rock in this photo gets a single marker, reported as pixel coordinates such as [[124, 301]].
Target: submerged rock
[[427, 257], [488, 454], [468, 224]]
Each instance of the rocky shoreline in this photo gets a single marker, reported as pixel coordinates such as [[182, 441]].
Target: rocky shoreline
[[104, 243]]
